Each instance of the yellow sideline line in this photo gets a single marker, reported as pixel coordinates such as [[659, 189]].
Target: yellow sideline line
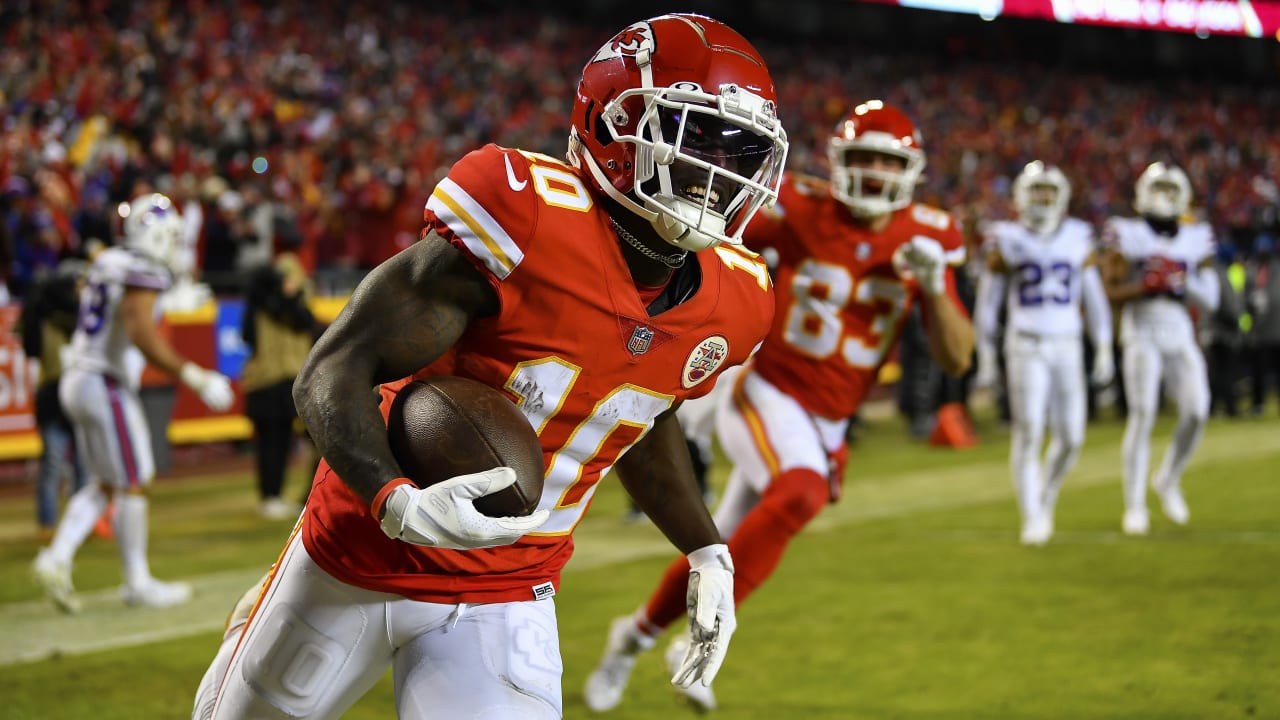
[[181, 432]]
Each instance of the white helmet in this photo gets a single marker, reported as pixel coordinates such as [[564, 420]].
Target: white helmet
[[1163, 192], [1040, 195], [153, 227]]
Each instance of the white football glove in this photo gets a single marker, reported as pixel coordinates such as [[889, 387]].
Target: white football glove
[[925, 259], [988, 372], [445, 516], [1104, 366], [711, 615], [213, 388]]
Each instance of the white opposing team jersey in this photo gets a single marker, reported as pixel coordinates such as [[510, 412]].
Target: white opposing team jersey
[[100, 343], [1044, 288], [1137, 242]]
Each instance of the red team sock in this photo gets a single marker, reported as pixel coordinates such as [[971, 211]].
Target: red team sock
[[793, 499]]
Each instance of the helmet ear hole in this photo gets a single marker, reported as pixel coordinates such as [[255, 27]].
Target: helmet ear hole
[[595, 125]]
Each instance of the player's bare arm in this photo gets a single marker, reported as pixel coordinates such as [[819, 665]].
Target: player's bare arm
[[951, 335], [658, 474], [1116, 278], [137, 310], [404, 315], [995, 262]]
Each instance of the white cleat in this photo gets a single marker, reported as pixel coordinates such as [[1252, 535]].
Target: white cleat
[[55, 578], [701, 697], [1136, 521], [605, 684], [277, 509], [1172, 502], [156, 594], [1037, 530]]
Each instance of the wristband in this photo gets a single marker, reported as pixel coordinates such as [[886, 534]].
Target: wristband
[[711, 556], [380, 500]]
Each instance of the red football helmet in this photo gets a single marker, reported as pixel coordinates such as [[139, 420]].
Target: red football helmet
[[874, 128], [676, 119]]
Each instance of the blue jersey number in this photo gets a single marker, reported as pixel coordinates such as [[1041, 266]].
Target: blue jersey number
[[93, 306], [1031, 276]]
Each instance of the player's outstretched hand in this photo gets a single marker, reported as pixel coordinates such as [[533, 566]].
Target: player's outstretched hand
[[988, 372], [926, 259], [445, 516], [213, 388], [1104, 366], [711, 615]]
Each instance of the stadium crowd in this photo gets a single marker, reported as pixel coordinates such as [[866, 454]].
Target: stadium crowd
[[320, 128]]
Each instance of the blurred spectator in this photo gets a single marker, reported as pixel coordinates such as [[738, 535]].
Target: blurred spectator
[[278, 329], [92, 221], [226, 232], [47, 321], [1263, 296], [347, 114], [1225, 339], [921, 386]]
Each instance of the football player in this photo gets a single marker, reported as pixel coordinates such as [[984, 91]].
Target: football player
[[853, 254], [597, 294], [1156, 265], [1041, 268], [99, 394]]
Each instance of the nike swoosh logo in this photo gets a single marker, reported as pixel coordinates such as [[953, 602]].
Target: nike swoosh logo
[[511, 175]]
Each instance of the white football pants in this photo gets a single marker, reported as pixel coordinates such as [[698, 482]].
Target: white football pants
[[111, 431], [315, 645], [1148, 358], [698, 416], [1046, 387], [764, 432]]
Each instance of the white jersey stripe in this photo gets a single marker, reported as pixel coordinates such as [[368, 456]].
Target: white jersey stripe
[[477, 229], [124, 442]]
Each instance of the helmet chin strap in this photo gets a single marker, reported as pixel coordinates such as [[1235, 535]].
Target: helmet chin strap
[[682, 234], [1041, 223]]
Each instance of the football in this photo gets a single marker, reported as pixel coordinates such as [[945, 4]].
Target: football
[[446, 426]]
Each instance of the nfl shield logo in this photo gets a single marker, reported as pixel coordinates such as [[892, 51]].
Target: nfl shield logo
[[863, 251], [640, 339]]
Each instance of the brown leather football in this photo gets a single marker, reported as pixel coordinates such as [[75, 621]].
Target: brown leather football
[[446, 426]]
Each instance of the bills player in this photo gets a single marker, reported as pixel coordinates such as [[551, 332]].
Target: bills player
[[1042, 268], [598, 294], [117, 320], [853, 254], [1158, 264]]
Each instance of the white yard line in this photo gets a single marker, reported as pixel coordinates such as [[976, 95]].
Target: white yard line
[[33, 631]]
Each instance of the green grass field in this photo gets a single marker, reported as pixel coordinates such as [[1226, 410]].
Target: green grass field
[[909, 599]]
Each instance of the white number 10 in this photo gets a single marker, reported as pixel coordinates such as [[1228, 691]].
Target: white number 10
[[542, 387]]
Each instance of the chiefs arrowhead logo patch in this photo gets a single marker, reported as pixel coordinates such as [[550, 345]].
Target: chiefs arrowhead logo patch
[[628, 43], [709, 355]]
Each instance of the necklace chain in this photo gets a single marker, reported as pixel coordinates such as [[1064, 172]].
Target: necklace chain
[[674, 260]]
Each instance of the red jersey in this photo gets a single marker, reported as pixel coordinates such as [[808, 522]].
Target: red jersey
[[572, 345], [841, 304]]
